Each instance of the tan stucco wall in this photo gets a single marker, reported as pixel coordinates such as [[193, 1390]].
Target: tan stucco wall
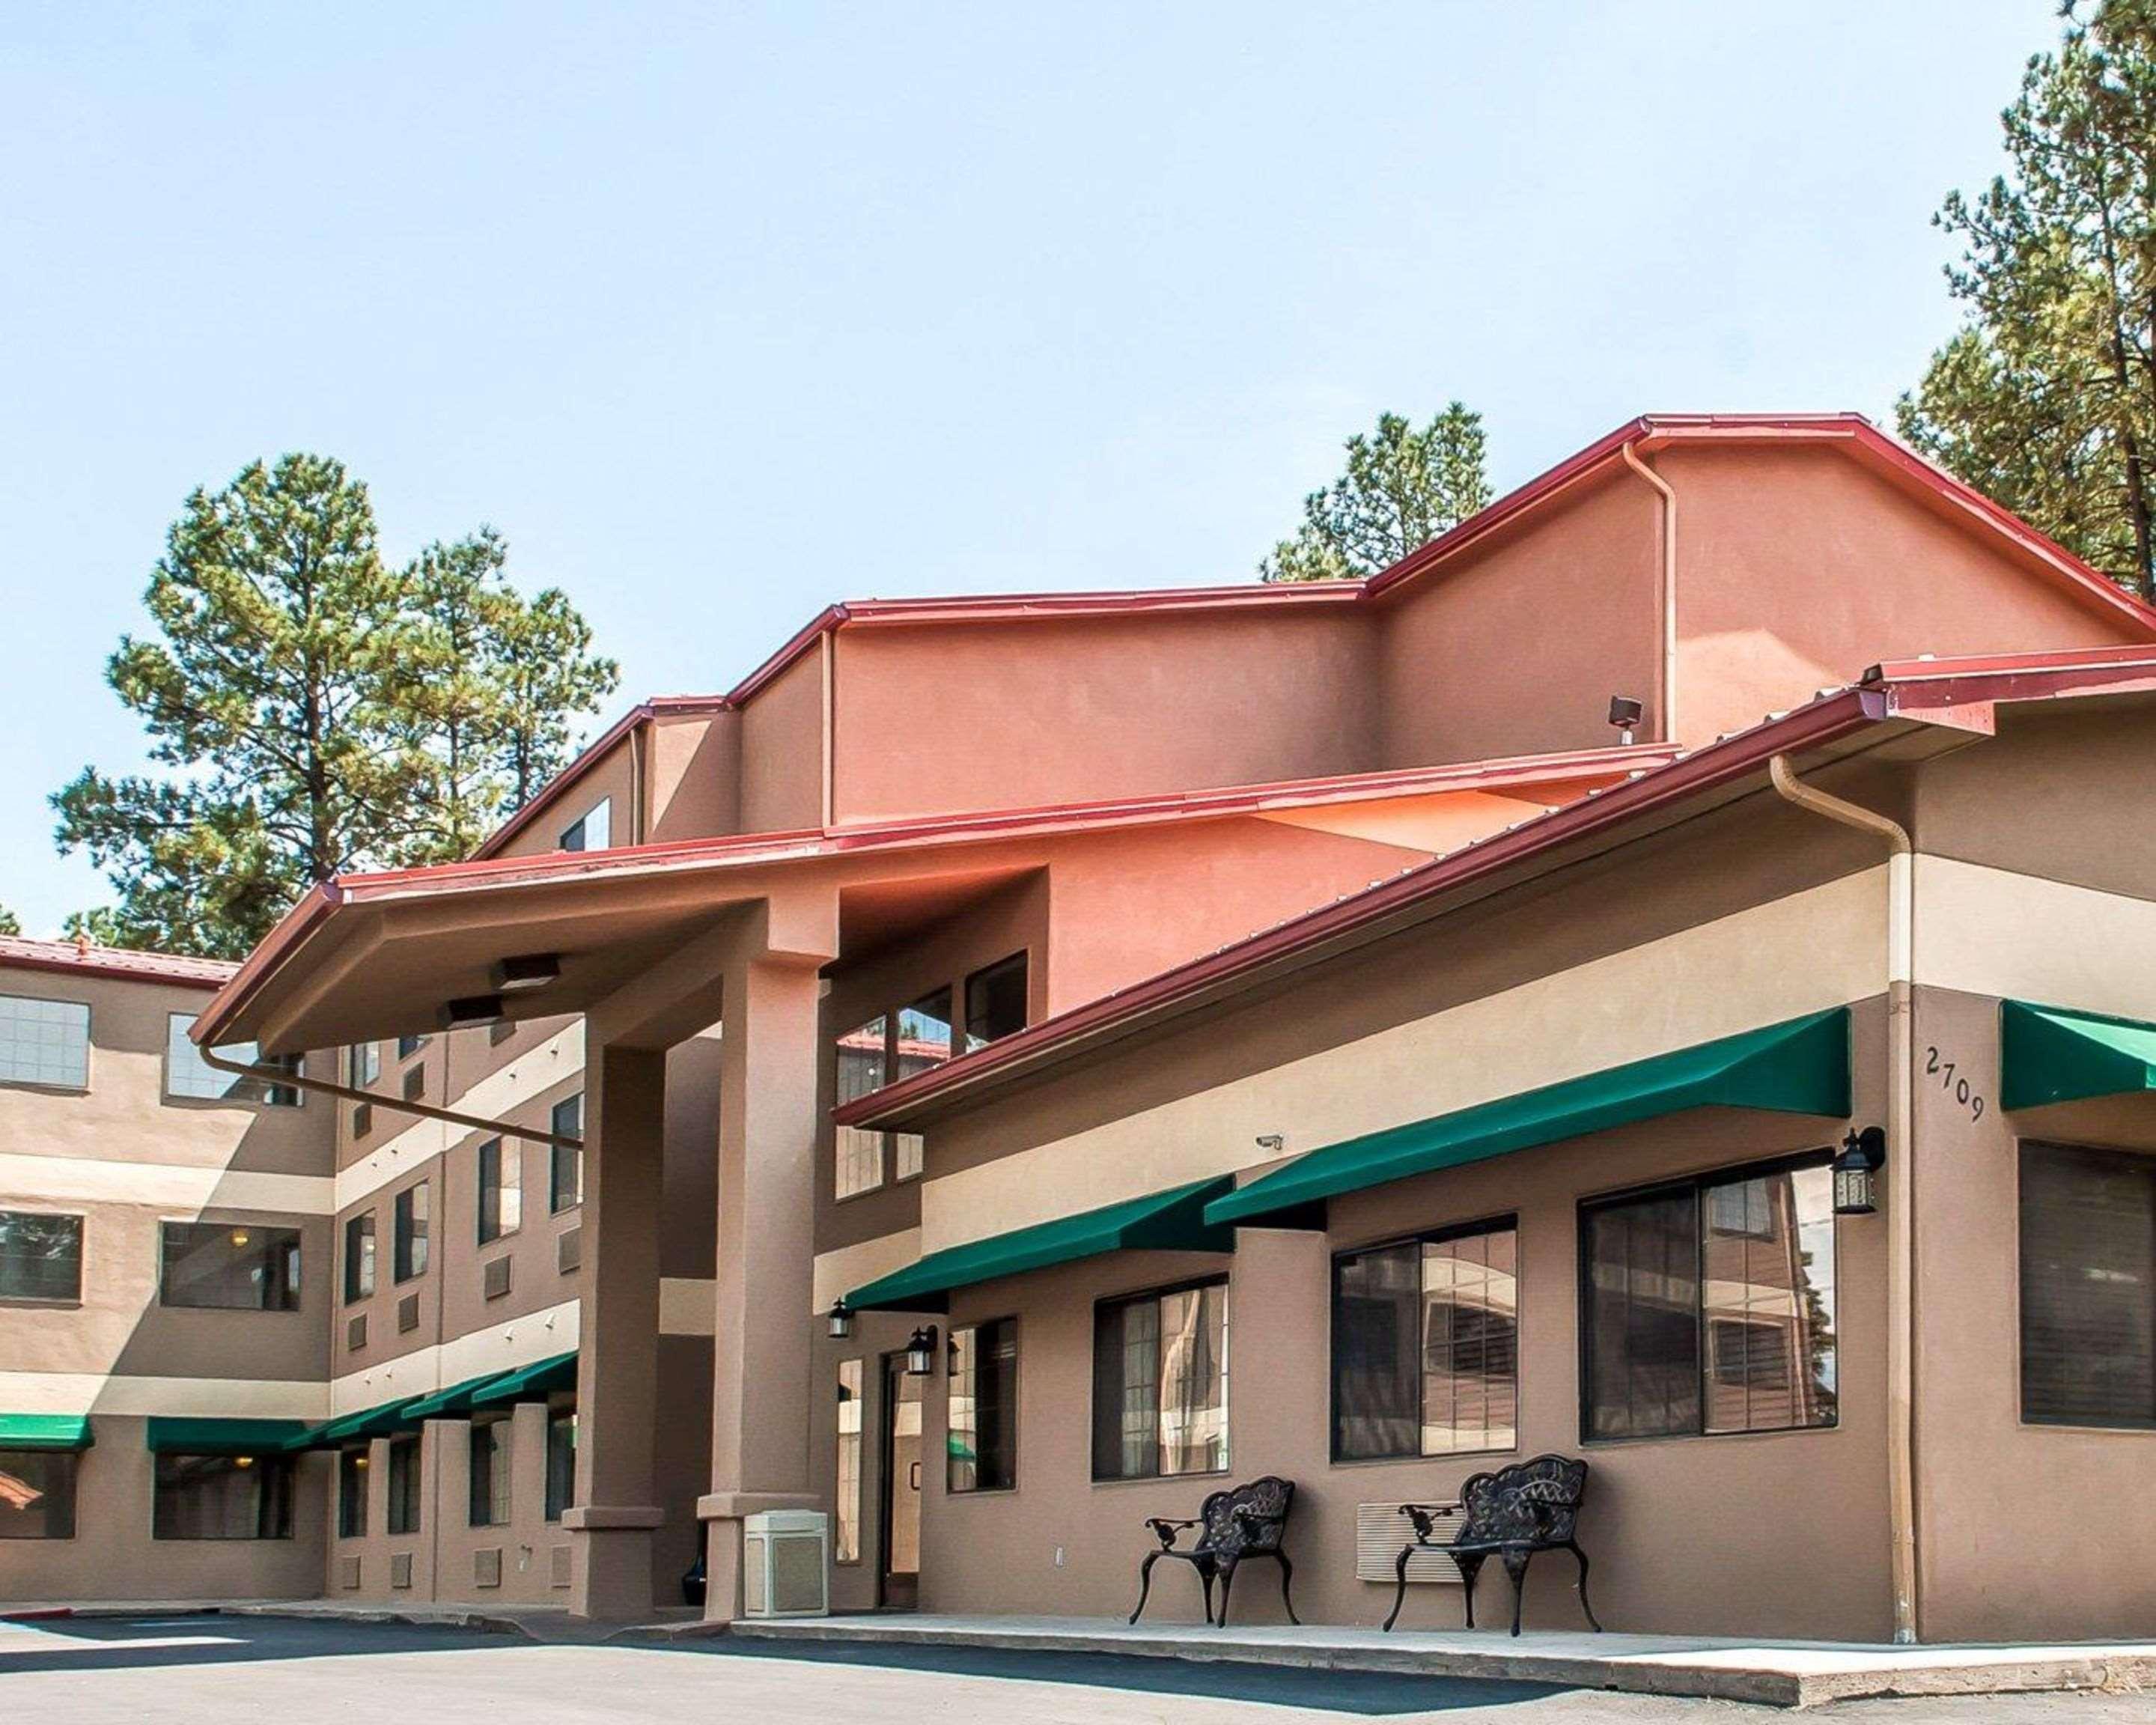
[[782, 745]]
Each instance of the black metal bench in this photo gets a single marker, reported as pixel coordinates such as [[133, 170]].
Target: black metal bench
[[1510, 1515], [1244, 1522]]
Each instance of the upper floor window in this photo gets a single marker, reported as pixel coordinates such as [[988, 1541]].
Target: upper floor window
[[408, 1248], [187, 1074], [888, 1047], [44, 1042], [1709, 1306], [995, 1001], [358, 1256], [233, 1267], [594, 831], [406, 1046], [364, 1062], [501, 1190], [2088, 1287], [1160, 1383], [565, 1185], [1425, 1346], [40, 1256]]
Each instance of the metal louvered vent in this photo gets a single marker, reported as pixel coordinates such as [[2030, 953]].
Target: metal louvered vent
[[400, 1569], [407, 1313], [569, 1250], [348, 1573], [355, 1332], [486, 1567], [558, 1567], [1381, 1530], [494, 1277]]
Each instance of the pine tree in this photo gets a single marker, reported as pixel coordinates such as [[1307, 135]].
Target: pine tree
[[1402, 488]]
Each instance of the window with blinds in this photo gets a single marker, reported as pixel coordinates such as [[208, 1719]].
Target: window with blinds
[[2088, 1287]]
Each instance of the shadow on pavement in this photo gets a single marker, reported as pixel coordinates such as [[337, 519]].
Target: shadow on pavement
[[103, 1643]]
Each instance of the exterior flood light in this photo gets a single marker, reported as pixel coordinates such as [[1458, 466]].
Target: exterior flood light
[[841, 1321], [921, 1352], [1856, 1171], [471, 1010], [1624, 717], [528, 971]]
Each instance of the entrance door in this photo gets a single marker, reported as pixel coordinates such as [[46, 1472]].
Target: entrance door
[[902, 1485]]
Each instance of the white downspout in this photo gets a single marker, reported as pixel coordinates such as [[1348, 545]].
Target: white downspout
[[1901, 1174], [1669, 590]]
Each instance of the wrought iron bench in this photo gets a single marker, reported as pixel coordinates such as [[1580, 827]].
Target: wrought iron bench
[[1244, 1522], [1510, 1515]]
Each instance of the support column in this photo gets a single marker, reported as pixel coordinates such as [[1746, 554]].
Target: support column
[[616, 1511], [761, 1356]]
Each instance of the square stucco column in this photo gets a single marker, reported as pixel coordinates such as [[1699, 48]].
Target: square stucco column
[[761, 1352], [612, 1522]]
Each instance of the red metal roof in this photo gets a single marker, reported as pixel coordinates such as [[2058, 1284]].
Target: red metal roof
[[1944, 688], [80, 959]]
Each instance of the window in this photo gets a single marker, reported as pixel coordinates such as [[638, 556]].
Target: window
[[408, 1248], [358, 1257], [490, 1474], [40, 1256], [362, 1119], [223, 1498], [187, 1074], [229, 1266], [1425, 1346], [1160, 1383], [995, 1001], [364, 1062], [595, 831], [44, 1042], [846, 1524], [565, 1187], [501, 1190], [2088, 1287], [406, 1046], [1710, 1306], [982, 1445], [404, 1485], [351, 1494], [888, 1047], [561, 1461], [37, 1494], [415, 1082]]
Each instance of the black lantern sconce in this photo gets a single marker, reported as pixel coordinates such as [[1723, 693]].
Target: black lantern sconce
[[841, 1321], [921, 1352], [1856, 1171]]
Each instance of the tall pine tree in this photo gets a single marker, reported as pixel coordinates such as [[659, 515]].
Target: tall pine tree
[[1402, 488]]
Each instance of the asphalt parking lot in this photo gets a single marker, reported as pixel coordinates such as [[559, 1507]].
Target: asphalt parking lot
[[206, 1668]]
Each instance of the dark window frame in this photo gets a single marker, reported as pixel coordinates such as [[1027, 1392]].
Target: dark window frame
[[358, 1286], [558, 1155], [403, 1509], [1696, 1185], [560, 1463], [1156, 1293], [273, 1502], [1009, 1481], [293, 1284], [1021, 960], [63, 1485], [57, 1302], [499, 1459], [2142, 1164], [353, 1469], [1508, 1223], [411, 1235], [488, 1224], [56, 1086]]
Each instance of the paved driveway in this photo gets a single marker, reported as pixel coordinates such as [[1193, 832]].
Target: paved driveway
[[216, 1669]]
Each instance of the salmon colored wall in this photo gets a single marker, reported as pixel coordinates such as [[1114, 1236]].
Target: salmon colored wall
[[938, 718], [782, 752], [1797, 569], [612, 775], [695, 788], [1515, 648]]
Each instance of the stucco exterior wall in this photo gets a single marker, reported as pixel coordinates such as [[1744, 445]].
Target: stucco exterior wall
[[781, 751]]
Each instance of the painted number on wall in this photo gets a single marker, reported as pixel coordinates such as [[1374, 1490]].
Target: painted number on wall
[[1952, 1083]]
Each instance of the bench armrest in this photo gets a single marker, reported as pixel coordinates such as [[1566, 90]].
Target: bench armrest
[[1165, 1529], [1425, 1515]]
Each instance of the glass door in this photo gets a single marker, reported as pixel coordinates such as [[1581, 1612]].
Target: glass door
[[902, 1485]]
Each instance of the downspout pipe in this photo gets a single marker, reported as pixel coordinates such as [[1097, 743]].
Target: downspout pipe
[[1669, 588], [1900, 1174], [394, 1104]]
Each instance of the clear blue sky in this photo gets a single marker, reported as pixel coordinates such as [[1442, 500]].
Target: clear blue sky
[[723, 312]]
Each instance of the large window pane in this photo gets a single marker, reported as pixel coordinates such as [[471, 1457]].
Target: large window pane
[[565, 1182], [561, 1461], [351, 1494], [2088, 1288], [982, 1440], [846, 1529], [1127, 1390], [1160, 1383], [223, 1498], [40, 1256], [1470, 1370], [408, 1250], [861, 1057], [489, 1498], [995, 1001], [403, 1485], [358, 1256], [365, 1063], [924, 1035], [187, 1074], [37, 1494], [594, 830], [1768, 1291], [44, 1042], [1377, 1299], [1641, 1323], [230, 1266], [501, 1190]]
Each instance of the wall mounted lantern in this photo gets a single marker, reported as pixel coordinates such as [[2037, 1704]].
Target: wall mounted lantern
[[841, 1321], [921, 1352], [1856, 1171]]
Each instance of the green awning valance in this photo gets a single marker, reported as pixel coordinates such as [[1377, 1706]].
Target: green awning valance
[[224, 1437], [45, 1431], [450, 1404], [1162, 1221], [2047, 1053], [1800, 1067], [533, 1382], [377, 1421]]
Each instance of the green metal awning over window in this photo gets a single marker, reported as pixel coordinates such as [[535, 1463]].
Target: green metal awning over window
[[1163, 1221], [533, 1382], [451, 1403], [2047, 1053], [45, 1431], [378, 1421], [225, 1437], [1799, 1067]]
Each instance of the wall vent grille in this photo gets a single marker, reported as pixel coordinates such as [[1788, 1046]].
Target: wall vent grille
[[558, 1567], [355, 1333], [495, 1276], [400, 1569], [486, 1567], [407, 1313], [569, 1250]]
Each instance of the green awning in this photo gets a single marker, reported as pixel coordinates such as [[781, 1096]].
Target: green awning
[[1800, 1067], [2049, 1055], [450, 1404], [224, 1437], [45, 1431], [533, 1382], [377, 1421], [1163, 1221]]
